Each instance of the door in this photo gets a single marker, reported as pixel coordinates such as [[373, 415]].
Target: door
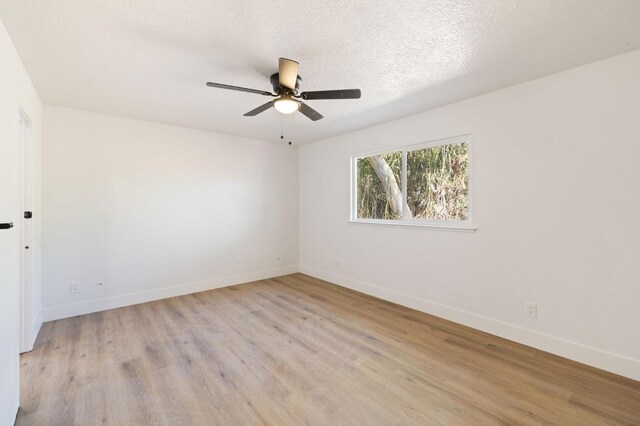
[[26, 265]]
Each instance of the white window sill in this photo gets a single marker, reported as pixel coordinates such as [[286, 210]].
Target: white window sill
[[465, 227]]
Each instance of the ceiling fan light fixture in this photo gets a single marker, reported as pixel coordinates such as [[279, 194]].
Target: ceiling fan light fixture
[[286, 105]]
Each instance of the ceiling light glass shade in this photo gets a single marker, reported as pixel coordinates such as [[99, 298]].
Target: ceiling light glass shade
[[286, 105]]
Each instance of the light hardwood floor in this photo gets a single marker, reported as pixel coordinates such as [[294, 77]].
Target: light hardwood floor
[[296, 350]]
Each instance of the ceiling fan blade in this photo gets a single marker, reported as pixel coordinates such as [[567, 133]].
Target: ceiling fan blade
[[288, 73], [310, 112], [331, 94], [239, 89], [258, 110]]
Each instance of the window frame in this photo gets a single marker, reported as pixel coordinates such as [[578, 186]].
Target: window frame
[[457, 225]]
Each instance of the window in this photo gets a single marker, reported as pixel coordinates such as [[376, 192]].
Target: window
[[425, 184]]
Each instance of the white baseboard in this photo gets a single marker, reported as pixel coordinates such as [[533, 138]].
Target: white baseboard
[[65, 311], [595, 357], [36, 329]]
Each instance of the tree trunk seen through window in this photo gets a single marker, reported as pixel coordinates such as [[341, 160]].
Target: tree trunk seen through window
[[389, 183]]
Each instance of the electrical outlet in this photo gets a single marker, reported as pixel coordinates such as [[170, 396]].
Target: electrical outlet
[[532, 309], [74, 287]]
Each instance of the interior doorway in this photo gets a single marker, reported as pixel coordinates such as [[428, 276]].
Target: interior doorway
[[26, 261]]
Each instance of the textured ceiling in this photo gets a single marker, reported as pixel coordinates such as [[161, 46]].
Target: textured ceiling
[[150, 59]]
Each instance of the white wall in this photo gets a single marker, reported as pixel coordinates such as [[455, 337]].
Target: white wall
[[16, 91], [152, 211], [556, 201]]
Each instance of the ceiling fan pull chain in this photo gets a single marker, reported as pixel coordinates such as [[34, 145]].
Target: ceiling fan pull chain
[[288, 127], [281, 127]]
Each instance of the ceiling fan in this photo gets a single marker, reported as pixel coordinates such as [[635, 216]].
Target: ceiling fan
[[286, 83]]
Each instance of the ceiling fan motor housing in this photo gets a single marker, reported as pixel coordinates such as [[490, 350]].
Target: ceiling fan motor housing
[[275, 82]]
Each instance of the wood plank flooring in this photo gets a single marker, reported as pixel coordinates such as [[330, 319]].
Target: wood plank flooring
[[295, 350]]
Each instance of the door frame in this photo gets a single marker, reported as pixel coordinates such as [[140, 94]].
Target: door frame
[[26, 231]]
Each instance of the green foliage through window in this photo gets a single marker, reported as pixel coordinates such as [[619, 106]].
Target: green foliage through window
[[437, 184]]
